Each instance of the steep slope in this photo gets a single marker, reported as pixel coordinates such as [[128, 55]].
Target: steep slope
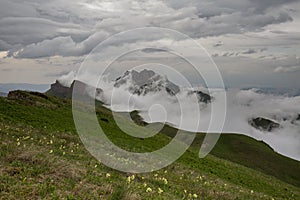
[[42, 157], [251, 153]]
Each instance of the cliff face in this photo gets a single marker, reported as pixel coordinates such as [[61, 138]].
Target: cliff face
[[58, 90]]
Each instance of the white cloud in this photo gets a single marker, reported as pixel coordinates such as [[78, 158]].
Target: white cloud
[[64, 46], [287, 69]]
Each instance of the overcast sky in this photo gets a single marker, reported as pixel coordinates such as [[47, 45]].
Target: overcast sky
[[253, 42]]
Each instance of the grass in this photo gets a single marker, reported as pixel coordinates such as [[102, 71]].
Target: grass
[[42, 157]]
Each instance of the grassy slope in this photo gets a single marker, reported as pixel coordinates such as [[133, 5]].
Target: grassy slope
[[42, 156], [251, 153]]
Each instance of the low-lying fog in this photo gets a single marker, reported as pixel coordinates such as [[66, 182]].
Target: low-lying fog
[[242, 105]]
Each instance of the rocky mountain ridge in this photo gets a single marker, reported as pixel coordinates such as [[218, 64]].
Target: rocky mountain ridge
[[138, 83]]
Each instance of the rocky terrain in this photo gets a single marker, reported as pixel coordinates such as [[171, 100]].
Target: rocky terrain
[[264, 124]]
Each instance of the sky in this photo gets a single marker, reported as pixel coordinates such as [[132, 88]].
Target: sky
[[254, 43]]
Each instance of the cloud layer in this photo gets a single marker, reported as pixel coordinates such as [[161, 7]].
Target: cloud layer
[[33, 28]]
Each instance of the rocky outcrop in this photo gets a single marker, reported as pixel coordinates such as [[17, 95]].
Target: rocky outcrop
[[57, 89], [202, 97], [32, 98], [296, 119], [22, 95], [264, 124], [135, 116]]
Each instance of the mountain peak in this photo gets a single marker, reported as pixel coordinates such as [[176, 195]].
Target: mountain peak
[[145, 81]]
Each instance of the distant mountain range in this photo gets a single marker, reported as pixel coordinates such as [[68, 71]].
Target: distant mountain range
[[276, 91], [2, 94], [5, 88]]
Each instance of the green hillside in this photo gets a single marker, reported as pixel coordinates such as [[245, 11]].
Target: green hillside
[[42, 157]]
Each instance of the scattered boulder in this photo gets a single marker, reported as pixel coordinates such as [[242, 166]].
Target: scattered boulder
[[264, 124]]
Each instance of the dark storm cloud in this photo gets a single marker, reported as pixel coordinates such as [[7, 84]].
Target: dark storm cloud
[[36, 28], [4, 46], [153, 50], [240, 53], [217, 7], [253, 51], [25, 31]]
